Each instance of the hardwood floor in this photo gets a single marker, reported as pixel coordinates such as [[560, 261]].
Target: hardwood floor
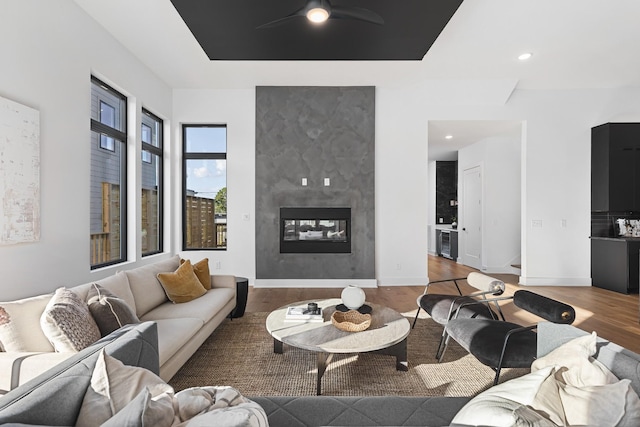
[[612, 315]]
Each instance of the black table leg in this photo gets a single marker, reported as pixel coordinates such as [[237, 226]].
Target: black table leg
[[277, 346], [400, 352], [323, 360]]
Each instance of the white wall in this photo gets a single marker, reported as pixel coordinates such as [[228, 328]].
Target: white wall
[[236, 109], [500, 162], [49, 51]]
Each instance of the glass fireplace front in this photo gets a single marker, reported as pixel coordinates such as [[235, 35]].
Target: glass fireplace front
[[315, 230]]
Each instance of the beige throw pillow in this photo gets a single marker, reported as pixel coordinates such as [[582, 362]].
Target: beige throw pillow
[[20, 325], [114, 385], [109, 311], [67, 322], [201, 268], [182, 285]]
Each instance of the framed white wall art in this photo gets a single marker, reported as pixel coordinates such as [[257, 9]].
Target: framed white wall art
[[19, 173]]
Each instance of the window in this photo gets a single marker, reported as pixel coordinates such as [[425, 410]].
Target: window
[[108, 212], [151, 200], [204, 186], [107, 117]]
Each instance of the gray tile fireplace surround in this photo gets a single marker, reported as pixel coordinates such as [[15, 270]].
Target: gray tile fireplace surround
[[315, 133]]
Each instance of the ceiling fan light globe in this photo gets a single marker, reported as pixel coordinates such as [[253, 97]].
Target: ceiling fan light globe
[[317, 15]]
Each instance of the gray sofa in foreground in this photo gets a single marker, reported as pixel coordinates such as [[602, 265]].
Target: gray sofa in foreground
[[54, 398]]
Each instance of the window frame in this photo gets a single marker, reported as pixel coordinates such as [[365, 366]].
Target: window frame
[[186, 156], [159, 152], [121, 137]]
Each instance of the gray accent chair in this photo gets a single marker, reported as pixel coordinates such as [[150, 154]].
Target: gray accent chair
[[500, 344], [442, 307]]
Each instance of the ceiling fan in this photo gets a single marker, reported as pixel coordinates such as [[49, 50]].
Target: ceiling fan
[[318, 11]]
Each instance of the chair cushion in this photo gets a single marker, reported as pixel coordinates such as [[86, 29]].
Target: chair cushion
[[438, 306], [484, 340], [146, 289]]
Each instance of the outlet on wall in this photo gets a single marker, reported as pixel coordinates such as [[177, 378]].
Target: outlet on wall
[[218, 265]]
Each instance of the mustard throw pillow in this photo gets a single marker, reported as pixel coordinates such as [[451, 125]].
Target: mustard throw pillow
[[201, 268], [182, 285]]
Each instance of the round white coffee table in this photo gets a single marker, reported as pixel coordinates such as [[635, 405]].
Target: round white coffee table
[[386, 335]]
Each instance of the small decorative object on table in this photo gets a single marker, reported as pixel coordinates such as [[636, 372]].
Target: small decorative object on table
[[353, 297], [351, 321], [311, 313]]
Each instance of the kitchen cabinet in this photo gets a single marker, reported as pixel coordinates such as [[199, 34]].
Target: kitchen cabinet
[[447, 243], [615, 263], [615, 167]]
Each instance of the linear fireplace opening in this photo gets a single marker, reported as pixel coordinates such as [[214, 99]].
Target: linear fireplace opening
[[315, 230]]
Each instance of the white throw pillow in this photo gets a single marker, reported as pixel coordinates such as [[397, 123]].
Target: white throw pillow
[[67, 322], [575, 355], [602, 405], [496, 406], [113, 386], [20, 325]]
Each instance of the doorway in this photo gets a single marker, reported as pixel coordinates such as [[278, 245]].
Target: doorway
[[488, 154], [472, 214]]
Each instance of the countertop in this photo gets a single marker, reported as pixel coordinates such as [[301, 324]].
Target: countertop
[[621, 239]]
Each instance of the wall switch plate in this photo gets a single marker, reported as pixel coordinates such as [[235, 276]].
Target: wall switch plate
[[536, 223], [327, 182], [304, 182]]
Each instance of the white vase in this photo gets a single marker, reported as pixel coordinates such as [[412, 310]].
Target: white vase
[[353, 297]]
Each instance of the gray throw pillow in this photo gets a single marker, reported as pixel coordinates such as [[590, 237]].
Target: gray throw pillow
[[109, 311]]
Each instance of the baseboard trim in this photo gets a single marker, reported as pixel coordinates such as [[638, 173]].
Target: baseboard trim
[[403, 281], [554, 281], [314, 283]]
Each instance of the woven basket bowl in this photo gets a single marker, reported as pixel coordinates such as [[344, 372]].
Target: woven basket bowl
[[351, 321]]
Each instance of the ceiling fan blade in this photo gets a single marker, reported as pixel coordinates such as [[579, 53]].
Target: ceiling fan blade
[[297, 13], [358, 13]]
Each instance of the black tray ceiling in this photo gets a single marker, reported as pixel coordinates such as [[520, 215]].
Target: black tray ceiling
[[227, 30]]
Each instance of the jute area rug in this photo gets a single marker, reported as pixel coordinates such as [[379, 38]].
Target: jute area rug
[[239, 353]]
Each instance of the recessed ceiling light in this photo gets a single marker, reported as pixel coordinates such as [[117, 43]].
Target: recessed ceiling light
[[525, 56], [448, 137], [317, 15]]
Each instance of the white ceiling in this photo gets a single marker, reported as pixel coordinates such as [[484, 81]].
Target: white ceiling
[[575, 44]]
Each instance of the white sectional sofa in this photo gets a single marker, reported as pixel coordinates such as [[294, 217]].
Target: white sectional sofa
[[182, 328]]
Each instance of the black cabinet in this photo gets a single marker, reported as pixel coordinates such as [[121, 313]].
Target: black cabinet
[[615, 264], [615, 167], [447, 243]]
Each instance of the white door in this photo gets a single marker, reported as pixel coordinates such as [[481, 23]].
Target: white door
[[472, 217]]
